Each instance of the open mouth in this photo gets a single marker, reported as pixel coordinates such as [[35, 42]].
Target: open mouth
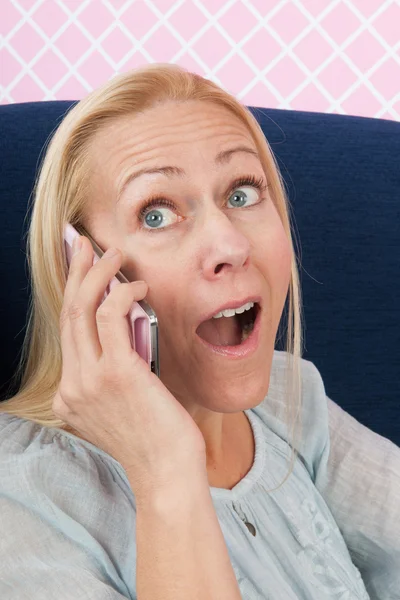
[[246, 321], [229, 331]]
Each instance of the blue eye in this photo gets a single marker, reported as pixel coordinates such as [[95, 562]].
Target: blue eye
[[242, 195], [154, 216], [243, 191]]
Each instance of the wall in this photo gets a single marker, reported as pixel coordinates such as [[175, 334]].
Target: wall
[[337, 56]]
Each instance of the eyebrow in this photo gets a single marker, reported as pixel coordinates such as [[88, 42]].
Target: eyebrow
[[222, 157]]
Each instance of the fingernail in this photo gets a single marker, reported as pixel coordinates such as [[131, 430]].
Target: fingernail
[[110, 253], [77, 245]]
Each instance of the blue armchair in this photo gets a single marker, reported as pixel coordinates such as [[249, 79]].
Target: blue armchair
[[343, 178]]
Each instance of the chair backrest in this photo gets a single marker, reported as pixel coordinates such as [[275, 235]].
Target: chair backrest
[[343, 178]]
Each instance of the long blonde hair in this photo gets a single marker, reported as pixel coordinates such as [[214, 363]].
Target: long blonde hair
[[60, 195]]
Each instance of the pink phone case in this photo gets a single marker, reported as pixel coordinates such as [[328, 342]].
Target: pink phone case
[[143, 326]]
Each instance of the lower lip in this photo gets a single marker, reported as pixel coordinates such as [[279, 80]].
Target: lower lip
[[245, 349]]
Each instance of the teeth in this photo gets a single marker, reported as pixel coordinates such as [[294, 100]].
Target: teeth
[[229, 312]]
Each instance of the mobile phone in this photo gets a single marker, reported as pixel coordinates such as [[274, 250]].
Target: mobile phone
[[142, 320]]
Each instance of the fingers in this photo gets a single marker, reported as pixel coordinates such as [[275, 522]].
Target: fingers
[[90, 328], [84, 291], [112, 323], [80, 264]]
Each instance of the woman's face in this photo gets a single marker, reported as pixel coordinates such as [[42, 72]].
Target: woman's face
[[215, 241]]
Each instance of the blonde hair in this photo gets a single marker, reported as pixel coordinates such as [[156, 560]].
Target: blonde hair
[[60, 195]]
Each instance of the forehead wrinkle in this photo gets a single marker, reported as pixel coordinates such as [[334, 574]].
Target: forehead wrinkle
[[190, 120], [141, 153], [157, 142], [168, 133], [148, 145]]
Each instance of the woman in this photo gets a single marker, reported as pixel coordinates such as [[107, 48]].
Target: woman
[[118, 484]]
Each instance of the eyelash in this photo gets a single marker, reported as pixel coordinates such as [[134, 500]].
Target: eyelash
[[249, 180]]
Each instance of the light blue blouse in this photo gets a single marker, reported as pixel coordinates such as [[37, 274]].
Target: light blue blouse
[[67, 512]]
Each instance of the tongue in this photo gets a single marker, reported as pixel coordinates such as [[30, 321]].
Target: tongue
[[225, 331]]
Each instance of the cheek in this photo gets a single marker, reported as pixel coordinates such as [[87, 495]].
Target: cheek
[[283, 261], [276, 260], [163, 292]]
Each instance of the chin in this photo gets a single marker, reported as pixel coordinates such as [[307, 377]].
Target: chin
[[235, 395]]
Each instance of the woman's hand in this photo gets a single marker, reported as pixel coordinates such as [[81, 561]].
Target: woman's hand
[[107, 392]]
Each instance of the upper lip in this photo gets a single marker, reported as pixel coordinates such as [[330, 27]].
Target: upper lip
[[230, 304]]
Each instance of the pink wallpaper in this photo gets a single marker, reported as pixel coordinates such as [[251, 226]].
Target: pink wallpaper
[[339, 56]]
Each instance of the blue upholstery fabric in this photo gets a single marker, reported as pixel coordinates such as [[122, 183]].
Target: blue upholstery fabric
[[343, 179]]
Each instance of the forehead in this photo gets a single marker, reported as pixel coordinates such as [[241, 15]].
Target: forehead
[[168, 130]]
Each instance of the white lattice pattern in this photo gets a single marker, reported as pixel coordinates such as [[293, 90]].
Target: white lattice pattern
[[331, 56]]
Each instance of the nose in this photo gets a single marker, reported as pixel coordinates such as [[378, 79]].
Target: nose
[[225, 248]]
